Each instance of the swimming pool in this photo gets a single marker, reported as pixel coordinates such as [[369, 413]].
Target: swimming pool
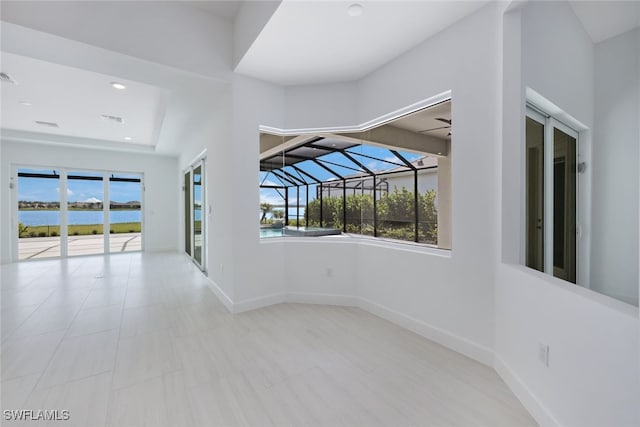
[[298, 232], [270, 232]]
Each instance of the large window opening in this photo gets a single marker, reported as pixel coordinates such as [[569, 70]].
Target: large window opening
[[551, 196], [77, 212], [391, 181]]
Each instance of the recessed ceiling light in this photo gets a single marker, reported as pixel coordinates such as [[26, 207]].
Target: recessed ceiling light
[[355, 10], [118, 86], [26, 103], [127, 138]]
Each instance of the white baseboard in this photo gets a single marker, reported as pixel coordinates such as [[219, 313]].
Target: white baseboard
[[447, 339], [328, 299], [224, 298], [255, 303], [536, 408], [456, 343]]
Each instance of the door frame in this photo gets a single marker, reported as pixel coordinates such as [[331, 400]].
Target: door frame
[[200, 160]]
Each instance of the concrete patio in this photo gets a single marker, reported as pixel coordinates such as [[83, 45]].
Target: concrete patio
[[47, 247]]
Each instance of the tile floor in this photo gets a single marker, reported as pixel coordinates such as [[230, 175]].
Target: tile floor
[[140, 340]]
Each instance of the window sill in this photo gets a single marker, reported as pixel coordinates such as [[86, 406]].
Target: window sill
[[580, 291], [380, 242]]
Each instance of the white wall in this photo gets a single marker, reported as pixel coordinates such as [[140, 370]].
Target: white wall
[[211, 131], [593, 377], [199, 42], [249, 23], [405, 285], [258, 267], [160, 197], [316, 106], [463, 59], [614, 261], [557, 61]]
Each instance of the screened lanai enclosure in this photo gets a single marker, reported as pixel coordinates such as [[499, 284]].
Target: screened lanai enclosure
[[391, 181]]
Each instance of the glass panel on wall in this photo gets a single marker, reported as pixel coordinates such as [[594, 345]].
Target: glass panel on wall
[[272, 205], [38, 213], [427, 199], [395, 207], [85, 213], [564, 206], [197, 214], [125, 215], [187, 210], [534, 194]]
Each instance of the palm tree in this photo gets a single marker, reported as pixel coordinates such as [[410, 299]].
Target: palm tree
[[265, 208]]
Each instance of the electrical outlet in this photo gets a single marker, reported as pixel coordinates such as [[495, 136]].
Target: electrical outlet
[[543, 353]]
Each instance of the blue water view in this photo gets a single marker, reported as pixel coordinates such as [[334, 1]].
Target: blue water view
[[46, 217]]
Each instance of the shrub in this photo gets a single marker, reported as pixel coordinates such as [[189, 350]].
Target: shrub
[[54, 234], [22, 229], [32, 234], [75, 233], [94, 231], [111, 231], [132, 231], [395, 214], [42, 234]]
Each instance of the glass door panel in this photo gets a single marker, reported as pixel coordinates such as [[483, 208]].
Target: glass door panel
[[197, 215], [187, 211], [534, 194], [85, 213], [38, 213], [125, 215], [564, 206]]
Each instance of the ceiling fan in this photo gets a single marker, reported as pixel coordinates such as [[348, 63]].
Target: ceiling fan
[[441, 119]]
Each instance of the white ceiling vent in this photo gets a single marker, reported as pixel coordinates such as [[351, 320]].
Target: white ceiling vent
[[7, 78], [115, 119], [47, 124]]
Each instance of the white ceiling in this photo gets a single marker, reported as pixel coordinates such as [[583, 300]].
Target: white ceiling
[[221, 8], [313, 42], [605, 19], [75, 99]]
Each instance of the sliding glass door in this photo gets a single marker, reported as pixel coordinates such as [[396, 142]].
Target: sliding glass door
[[64, 212], [194, 213], [551, 196]]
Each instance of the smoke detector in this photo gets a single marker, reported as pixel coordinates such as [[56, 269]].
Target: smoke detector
[[115, 119], [7, 78]]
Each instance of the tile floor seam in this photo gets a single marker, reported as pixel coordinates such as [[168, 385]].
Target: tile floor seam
[[124, 304], [29, 316], [55, 351]]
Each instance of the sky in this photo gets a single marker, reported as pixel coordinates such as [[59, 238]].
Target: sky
[[48, 189], [361, 153]]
